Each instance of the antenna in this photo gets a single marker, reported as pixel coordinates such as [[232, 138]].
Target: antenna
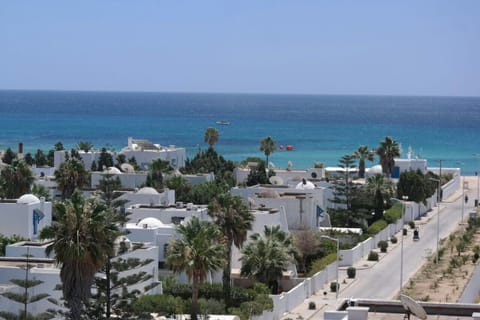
[[412, 307], [276, 180]]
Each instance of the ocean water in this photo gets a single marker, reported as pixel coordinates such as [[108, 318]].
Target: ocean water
[[321, 128]]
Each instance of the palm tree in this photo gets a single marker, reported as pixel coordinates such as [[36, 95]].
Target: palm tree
[[86, 146], [234, 218], [71, 175], [196, 253], [388, 151], [16, 180], [267, 256], [267, 146], [381, 189], [362, 154], [211, 136], [83, 233]]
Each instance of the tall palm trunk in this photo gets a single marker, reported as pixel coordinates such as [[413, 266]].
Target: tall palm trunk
[[75, 304], [227, 288], [361, 168], [194, 311]]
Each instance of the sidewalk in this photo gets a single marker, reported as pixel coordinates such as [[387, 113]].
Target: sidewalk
[[325, 299]]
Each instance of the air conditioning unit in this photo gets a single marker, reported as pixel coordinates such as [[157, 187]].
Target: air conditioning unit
[[179, 204], [189, 206]]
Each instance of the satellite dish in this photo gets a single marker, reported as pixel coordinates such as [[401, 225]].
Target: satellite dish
[[412, 307], [276, 180], [271, 165], [126, 167]]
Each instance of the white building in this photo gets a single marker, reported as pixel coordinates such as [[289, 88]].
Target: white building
[[132, 180], [150, 196], [263, 217], [288, 177], [304, 206], [145, 152], [59, 157], [25, 216], [42, 268], [129, 180], [166, 214], [160, 233]]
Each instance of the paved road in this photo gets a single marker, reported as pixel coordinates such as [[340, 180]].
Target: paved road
[[383, 281]]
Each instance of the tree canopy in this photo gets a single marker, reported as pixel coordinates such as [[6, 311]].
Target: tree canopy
[[196, 252], [388, 151], [83, 233]]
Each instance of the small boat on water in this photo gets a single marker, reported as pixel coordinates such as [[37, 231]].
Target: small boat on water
[[223, 122]]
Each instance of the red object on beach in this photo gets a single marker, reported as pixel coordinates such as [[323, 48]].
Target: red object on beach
[[289, 148], [281, 147]]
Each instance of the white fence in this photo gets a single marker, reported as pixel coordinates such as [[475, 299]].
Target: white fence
[[287, 301]]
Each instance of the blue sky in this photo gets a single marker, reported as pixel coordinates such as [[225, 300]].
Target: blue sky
[[428, 47]]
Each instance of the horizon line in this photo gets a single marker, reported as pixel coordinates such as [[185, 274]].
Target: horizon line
[[244, 93]]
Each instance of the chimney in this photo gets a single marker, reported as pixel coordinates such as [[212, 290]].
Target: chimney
[[20, 150]]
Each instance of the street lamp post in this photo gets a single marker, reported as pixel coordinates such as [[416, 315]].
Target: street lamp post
[[438, 215], [462, 180], [337, 286], [405, 198]]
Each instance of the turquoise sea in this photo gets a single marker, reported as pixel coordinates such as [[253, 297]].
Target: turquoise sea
[[321, 128]]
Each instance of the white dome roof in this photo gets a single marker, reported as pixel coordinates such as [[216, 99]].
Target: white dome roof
[[150, 223], [113, 170], [147, 190], [305, 186], [269, 194], [375, 170], [126, 167], [28, 199]]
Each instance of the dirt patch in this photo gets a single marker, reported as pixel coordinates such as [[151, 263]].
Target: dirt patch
[[445, 281]]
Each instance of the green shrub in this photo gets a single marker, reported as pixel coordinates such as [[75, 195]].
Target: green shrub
[[334, 286], [162, 304], [393, 214], [475, 257], [322, 263], [404, 231], [393, 239], [210, 291], [376, 227], [351, 272], [373, 256], [383, 245], [211, 306], [411, 224]]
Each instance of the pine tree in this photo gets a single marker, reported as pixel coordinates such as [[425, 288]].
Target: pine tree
[[25, 298], [346, 213]]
